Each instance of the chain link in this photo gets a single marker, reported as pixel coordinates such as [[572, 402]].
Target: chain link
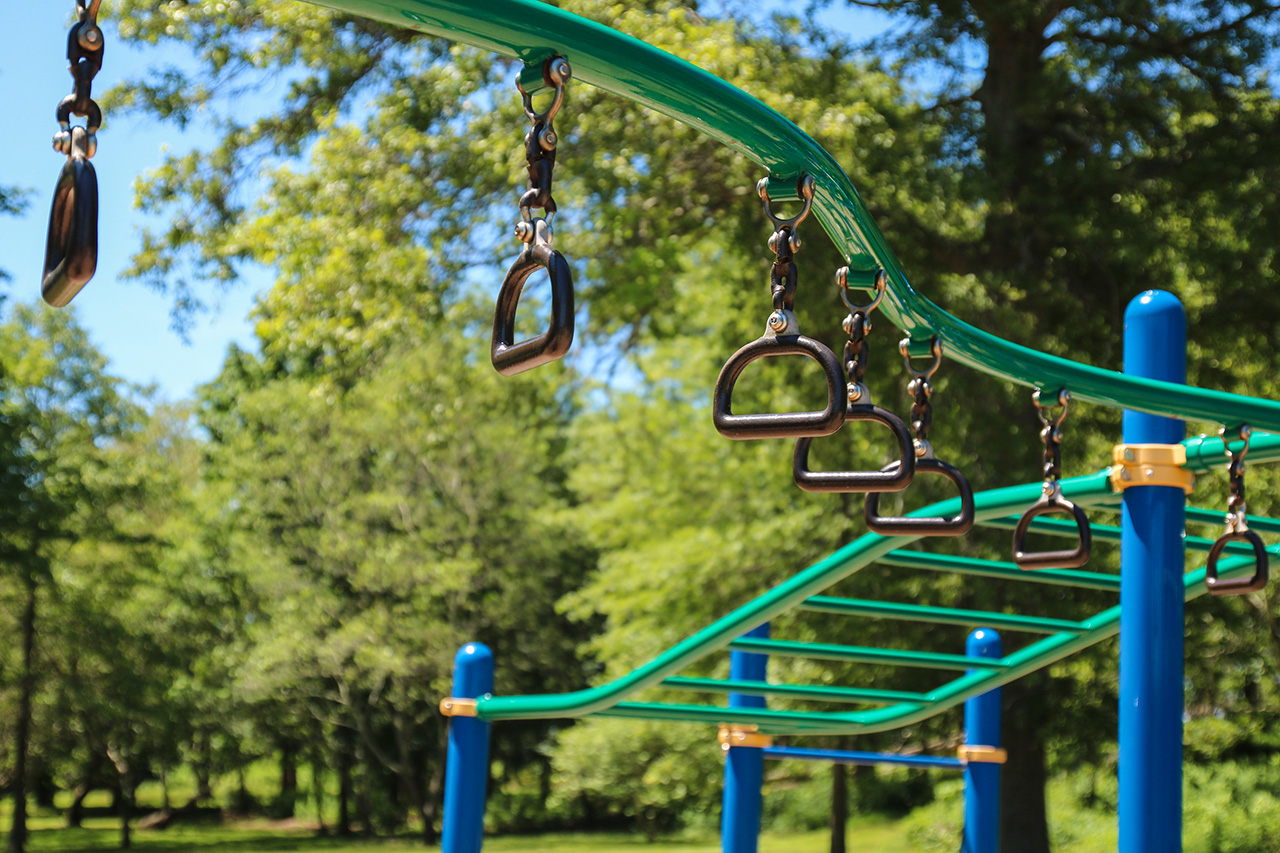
[[540, 149], [84, 53], [921, 391], [1236, 509], [856, 326], [1051, 436], [784, 243]]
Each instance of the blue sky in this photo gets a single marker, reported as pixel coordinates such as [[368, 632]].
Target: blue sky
[[127, 320]]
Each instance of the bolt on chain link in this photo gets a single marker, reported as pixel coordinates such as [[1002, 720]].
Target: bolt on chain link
[[84, 53], [1236, 518], [921, 391], [1051, 435], [857, 325], [784, 243], [540, 150]]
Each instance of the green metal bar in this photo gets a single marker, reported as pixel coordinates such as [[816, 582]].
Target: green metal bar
[[628, 67], [1260, 523], [816, 692], [938, 615], [993, 569], [1105, 533], [864, 654], [844, 562], [769, 721]]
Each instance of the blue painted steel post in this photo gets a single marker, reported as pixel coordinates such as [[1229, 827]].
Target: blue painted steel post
[[982, 779], [1152, 558], [467, 762], [743, 765]]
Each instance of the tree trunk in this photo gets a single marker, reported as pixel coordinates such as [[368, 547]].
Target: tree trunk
[[1024, 826], [839, 807], [344, 785], [288, 780], [75, 812], [124, 795], [22, 726], [317, 786], [203, 768]]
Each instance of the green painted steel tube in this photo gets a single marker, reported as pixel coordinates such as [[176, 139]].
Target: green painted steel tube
[[995, 569], [938, 615], [864, 654], [628, 67], [1260, 523], [791, 592], [816, 692], [1105, 533]]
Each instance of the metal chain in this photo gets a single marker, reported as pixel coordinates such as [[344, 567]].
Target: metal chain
[[784, 242], [857, 325], [540, 149], [1051, 435], [84, 52], [921, 391], [1236, 519]]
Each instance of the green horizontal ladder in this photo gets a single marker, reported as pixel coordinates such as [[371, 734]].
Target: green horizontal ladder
[[532, 31]]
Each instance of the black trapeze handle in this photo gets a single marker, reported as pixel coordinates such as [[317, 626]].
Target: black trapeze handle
[[894, 478], [71, 248], [779, 424], [1066, 559], [956, 525], [1237, 586], [509, 357]]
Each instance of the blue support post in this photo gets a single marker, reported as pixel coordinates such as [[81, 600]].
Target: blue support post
[[467, 763], [982, 779], [744, 765], [1151, 595]]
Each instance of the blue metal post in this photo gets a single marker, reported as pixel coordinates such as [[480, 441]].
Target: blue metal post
[[744, 765], [982, 779], [467, 762], [1152, 558]]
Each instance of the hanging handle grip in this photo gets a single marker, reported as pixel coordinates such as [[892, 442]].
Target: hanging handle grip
[[894, 478], [509, 357], [1052, 502], [1237, 586], [956, 525], [71, 249], [782, 337]]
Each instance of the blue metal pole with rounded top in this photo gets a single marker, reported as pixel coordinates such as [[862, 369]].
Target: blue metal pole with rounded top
[[467, 762], [1151, 595], [743, 765], [982, 778]]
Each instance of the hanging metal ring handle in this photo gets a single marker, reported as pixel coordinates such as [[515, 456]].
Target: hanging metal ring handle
[[893, 478], [71, 247], [1052, 502], [782, 337], [1237, 586], [509, 357], [955, 525], [1237, 528]]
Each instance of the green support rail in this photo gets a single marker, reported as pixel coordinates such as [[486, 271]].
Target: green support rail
[[938, 615], [625, 66], [864, 654], [816, 692], [996, 569]]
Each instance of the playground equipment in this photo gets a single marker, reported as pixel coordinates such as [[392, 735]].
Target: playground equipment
[[1147, 484]]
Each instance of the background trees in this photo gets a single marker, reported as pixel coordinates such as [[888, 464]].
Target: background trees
[[363, 494]]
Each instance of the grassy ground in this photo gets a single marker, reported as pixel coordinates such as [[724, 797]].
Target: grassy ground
[[98, 834]]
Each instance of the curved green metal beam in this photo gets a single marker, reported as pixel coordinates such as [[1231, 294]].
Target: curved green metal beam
[[628, 67]]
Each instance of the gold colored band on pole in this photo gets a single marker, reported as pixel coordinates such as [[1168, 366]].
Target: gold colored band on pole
[[742, 736], [972, 753], [452, 707], [1150, 465]]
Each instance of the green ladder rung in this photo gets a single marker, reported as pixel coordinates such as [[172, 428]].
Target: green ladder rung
[[938, 615], [1260, 523], [1105, 532], [864, 654], [819, 692], [994, 569], [793, 721]]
